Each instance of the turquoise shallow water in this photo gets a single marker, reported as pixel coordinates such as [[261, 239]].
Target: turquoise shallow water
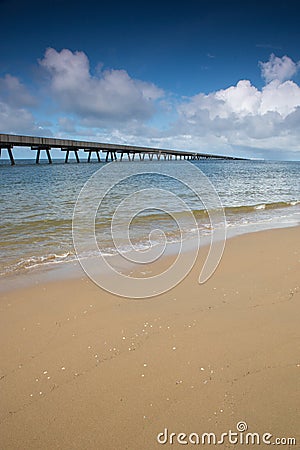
[[37, 203]]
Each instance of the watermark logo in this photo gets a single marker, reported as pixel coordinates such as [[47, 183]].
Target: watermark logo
[[241, 426], [110, 273], [240, 436]]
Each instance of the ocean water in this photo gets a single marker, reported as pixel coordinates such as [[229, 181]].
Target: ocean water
[[37, 204]]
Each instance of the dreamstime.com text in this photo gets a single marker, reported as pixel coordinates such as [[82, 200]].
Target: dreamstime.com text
[[240, 436]]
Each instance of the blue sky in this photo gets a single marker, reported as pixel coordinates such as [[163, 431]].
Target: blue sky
[[218, 76]]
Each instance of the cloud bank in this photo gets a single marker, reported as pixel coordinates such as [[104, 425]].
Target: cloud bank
[[111, 106]]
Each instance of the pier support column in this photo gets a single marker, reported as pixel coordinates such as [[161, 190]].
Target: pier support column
[[90, 152], [10, 153], [68, 150], [38, 150], [112, 156], [49, 156], [11, 156]]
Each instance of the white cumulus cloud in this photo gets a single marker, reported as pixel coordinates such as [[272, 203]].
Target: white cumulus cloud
[[15, 101], [13, 92], [245, 116], [109, 95], [278, 68], [243, 100], [15, 120]]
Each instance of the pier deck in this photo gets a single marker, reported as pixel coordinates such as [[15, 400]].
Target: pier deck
[[111, 152]]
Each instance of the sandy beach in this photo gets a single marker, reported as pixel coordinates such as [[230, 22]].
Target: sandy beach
[[83, 369]]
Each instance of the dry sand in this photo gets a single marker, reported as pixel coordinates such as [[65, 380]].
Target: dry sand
[[82, 369]]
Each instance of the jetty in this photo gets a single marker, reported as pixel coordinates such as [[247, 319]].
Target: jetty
[[103, 152]]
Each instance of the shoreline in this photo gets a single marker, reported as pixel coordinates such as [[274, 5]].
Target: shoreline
[[36, 222], [82, 368], [70, 270]]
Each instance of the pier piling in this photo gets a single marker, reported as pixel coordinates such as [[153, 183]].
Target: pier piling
[[38, 150], [10, 153], [68, 150]]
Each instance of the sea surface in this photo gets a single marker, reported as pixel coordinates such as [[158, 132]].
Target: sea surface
[[37, 204]]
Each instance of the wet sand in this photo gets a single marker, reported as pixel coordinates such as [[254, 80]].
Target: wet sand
[[83, 369]]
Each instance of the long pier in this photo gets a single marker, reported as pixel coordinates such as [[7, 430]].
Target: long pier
[[109, 152]]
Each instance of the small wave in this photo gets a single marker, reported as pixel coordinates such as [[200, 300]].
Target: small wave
[[260, 206], [202, 213], [35, 261], [47, 259]]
